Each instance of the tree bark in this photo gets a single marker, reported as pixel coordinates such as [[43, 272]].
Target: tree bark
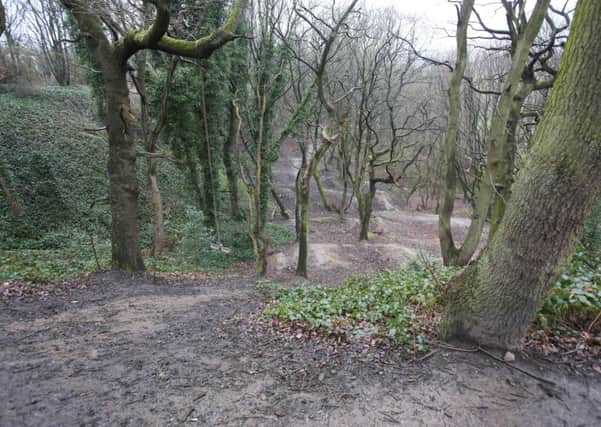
[[231, 158], [367, 205], [10, 198], [123, 182], [322, 193], [303, 187], [494, 300]]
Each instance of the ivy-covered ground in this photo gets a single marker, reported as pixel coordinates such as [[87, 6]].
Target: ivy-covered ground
[[402, 308], [53, 155]]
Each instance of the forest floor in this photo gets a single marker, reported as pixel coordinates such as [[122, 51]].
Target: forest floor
[[165, 350]]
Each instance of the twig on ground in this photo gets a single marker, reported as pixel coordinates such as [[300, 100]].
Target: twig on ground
[[590, 327], [523, 371], [427, 356], [187, 415], [464, 350]]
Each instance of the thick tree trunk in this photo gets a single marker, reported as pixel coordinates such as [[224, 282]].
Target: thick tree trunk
[[123, 181], [493, 301]]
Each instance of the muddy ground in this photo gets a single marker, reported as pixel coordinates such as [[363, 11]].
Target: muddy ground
[[133, 351], [118, 350]]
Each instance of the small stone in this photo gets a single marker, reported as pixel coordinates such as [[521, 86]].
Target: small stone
[[509, 357]]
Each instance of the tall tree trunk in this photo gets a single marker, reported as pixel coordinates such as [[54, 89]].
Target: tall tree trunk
[[123, 181], [303, 187], [231, 158], [10, 198], [493, 301], [150, 145], [367, 208]]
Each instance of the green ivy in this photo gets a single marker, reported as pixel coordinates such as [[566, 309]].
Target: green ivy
[[393, 302]]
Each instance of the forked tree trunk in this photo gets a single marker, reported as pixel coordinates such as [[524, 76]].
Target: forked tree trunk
[[303, 204], [491, 183], [494, 300]]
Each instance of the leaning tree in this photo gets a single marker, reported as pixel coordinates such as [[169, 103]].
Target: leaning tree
[[111, 47], [493, 300]]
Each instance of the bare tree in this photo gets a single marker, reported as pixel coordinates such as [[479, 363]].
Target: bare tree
[[47, 19]]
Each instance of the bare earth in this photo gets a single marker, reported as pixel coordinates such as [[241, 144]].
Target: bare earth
[[119, 350]]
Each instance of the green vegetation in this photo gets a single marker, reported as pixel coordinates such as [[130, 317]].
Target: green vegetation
[[576, 299], [396, 304], [404, 304], [45, 160], [56, 169]]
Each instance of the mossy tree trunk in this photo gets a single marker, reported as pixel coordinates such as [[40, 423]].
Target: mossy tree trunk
[[311, 160], [303, 187], [231, 160], [494, 300]]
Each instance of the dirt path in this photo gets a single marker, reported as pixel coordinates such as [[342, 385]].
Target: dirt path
[[139, 351], [396, 235]]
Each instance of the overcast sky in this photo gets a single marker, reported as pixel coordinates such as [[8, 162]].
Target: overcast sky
[[438, 17]]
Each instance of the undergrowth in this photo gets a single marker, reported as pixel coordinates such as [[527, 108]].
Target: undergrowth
[[405, 304], [394, 304]]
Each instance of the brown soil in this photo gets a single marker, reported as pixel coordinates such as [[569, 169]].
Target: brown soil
[[138, 350]]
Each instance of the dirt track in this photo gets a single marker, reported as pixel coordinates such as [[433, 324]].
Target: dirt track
[[139, 351]]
